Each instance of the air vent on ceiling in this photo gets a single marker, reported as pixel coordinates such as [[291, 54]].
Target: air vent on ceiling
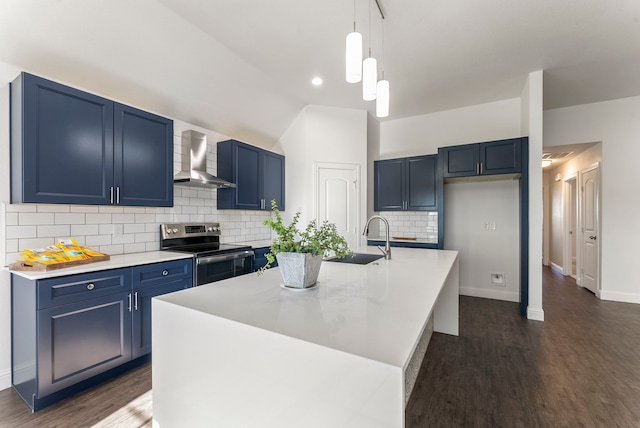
[[554, 156]]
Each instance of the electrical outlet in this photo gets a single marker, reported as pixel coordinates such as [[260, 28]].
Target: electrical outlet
[[118, 229], [497, 279]]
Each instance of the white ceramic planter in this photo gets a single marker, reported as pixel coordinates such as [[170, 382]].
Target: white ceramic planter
[[299, 270]]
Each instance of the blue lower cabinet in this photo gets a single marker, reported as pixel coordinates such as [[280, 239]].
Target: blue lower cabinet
[[72, 332], [141, 338], [259, 258]]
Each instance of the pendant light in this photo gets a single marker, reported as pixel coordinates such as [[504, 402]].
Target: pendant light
[[353, 57], [382, 88], [369, 71]]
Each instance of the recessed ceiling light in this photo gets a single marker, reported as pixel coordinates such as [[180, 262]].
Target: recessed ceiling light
[[316, 81]]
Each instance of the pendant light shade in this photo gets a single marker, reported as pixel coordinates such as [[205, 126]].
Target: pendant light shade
[[369, 79], [382, 99], [354, 57]]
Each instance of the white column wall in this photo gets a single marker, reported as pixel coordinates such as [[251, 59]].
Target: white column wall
[[532, 123]]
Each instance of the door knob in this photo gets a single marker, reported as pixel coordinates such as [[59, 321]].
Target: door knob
[[592, 237]]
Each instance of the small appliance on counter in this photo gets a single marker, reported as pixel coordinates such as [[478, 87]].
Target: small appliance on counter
[[212, 261]]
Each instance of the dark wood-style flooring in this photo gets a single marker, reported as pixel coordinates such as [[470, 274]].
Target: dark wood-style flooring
[[580, 368]]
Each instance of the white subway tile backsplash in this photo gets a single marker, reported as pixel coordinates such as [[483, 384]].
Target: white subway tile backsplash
[[60, 231], [134, 228], [97, 240], [84, 209], [111, 249], [11, 219], [36, 218], [135, 247], [123, 218], [69, 218], [17, 232], [22, 208], [111, 209], [11, 245], [147, 237], [84, 229], [49, 208], [34, 243], [98, 218], [412, 224]]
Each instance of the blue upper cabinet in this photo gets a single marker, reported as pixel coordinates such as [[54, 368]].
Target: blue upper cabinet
[[406, 184], [143, 158], [257, 173], [72, 147], [488, 158]]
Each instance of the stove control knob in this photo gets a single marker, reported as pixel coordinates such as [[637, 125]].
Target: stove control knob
[[210, 229], [175, 230], [168, 231]]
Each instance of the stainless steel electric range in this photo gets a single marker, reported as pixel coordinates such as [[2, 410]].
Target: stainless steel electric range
[[212, 261]]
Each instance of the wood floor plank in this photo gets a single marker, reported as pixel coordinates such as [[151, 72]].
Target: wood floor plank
[[578, 368]]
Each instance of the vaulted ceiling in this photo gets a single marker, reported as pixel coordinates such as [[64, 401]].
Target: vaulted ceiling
[[243, 68]]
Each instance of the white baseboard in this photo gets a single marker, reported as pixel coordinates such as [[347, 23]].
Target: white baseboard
[[557, 268], [616, 296], [5, 378], [535, 314], [508, 296]]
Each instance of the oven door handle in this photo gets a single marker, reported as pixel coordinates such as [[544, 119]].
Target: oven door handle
[[223, 257]]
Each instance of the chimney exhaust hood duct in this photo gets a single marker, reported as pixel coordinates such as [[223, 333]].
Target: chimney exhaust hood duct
[[194, 163]]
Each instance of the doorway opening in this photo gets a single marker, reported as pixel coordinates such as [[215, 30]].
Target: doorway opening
[[571, 209]]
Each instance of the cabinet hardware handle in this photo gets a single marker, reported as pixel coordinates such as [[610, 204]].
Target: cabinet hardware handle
[[90, 286], [478, 169], [165, 272], [129, 302], [118, 195], [111, 195], [135, 301]]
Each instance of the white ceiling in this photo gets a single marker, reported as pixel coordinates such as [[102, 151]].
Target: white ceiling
[[243, 68]]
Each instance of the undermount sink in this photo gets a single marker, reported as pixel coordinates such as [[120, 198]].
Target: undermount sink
[[357, 258]]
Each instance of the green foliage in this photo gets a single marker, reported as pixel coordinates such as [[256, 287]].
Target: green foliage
[[313, 239]]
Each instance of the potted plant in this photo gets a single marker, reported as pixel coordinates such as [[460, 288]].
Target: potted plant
[[300, 253]]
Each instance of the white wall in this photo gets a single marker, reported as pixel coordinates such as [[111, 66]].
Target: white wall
[[532, 124], [322, 134], [617, 125], [422, 135], [469, 205]]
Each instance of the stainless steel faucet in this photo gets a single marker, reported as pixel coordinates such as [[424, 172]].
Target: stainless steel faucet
[[387, 246]]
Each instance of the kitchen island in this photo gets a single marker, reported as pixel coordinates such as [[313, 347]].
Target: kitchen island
[[245, 352]]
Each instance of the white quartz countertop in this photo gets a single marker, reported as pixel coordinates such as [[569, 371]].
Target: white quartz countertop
[[255, 244], [119, 261], [375, 311]]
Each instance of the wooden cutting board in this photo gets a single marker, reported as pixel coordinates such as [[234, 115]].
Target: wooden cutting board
[[39, 267]]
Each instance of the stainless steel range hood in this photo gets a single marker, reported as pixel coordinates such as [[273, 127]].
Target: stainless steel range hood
[[194, 163]]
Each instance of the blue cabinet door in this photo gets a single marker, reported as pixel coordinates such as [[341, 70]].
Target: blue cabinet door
[[257, 173], [141, 311], [61, 144], [389, 185], [273, 180], [488, 158], [421, 183], [460, 161], [143, 158], [501, 157], [82, 339]]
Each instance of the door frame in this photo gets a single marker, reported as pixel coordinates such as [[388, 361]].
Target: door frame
[[580, 260], [567, 200], [317, 165]]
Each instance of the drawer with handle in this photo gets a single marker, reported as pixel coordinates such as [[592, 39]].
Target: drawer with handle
[[74, 288], [161, 273]]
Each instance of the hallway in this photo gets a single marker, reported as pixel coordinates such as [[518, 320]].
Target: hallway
[[579, 368]]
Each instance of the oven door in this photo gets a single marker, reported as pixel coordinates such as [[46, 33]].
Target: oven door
[[218, 267]]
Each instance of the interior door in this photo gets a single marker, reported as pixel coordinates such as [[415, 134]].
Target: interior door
[[590, 253], [338, 194]]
